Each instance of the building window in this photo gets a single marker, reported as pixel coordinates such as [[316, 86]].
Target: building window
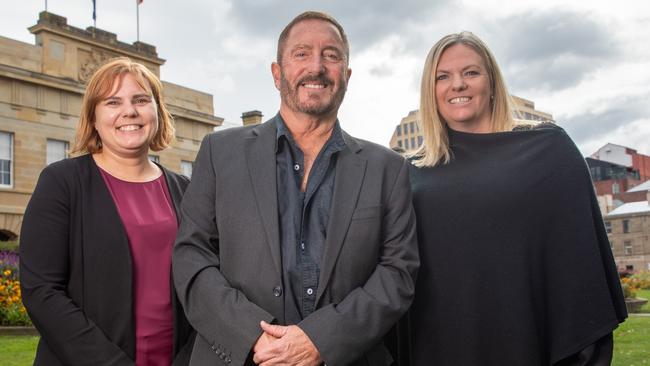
[[413, 143], [626, 226], [154, 158], [420, 140], [616, 188], [186, 168], [399, 143], [399, 130], [6, 158], [56, 150], [627, 247], [412, 124], [406, 144], [608, 227]]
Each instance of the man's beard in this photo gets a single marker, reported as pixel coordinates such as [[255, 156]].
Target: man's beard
[[289, 95]]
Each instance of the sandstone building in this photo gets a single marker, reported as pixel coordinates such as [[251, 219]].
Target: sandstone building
[[41, 88], [628, 229]]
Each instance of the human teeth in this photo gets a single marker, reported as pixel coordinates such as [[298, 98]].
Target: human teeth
[[314, 86], [129, 128], [459, 100]]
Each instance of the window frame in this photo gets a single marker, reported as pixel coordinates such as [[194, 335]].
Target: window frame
[[11, 160]]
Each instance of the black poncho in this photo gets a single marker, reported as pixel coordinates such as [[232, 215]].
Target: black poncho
[[516, 268]]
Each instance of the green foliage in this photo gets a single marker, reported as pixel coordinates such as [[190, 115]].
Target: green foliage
[[10, 246], [14, 314], [642, 279]]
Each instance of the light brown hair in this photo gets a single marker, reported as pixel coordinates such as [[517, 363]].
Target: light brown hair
[[435, 149], [307, 16], [100, 86]]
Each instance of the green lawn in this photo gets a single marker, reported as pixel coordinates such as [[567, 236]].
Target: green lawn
[[631, 345], [632, 342], [646, 295], [17, 350]]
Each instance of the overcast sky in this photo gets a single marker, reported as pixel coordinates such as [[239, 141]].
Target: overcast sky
[[588, 65]]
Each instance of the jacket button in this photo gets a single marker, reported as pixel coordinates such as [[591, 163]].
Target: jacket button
[[277, 291]]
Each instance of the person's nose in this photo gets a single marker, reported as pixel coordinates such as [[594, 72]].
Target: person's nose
[[129, 110], [458, 83], [316, 65]]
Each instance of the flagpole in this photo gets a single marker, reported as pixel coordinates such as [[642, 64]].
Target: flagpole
[[94, 14], [137, 15], [45, 5]]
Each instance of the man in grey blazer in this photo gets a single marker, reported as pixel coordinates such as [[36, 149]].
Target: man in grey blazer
[[297, 243]]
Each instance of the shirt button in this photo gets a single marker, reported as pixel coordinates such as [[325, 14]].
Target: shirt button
[[277, 291], [310, 291], [296, 167], [302, 246]]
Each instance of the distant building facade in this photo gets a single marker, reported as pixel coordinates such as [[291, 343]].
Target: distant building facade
[[408, 137], [628, 229], [41, 88], [619, 173]]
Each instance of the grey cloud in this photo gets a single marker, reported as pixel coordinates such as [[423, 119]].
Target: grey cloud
[[588, 126], [552, 50], [381, 71], [366, 22]]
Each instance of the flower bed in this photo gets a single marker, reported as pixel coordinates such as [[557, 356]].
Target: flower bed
[[632, 283], [12, 311]]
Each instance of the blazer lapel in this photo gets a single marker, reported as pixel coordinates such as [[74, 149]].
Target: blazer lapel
[[107, 260], [350, 170], [260, 159]]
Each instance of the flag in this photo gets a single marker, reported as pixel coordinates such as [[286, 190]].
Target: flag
[[139, 1], [94, 8]]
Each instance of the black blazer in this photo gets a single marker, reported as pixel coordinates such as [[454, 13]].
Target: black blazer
[[75, 269]]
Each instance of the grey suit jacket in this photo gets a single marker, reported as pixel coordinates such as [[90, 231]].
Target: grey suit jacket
[[227, 260]]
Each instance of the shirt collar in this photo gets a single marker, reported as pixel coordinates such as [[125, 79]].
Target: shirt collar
[[336, 140]]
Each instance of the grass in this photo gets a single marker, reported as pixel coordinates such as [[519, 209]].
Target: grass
[[632, 342], [631, 345], [17, 350], [646, 295]]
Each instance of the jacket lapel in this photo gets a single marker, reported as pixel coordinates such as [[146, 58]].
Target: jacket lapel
[[260, 159], [107, 260], [350, 170]]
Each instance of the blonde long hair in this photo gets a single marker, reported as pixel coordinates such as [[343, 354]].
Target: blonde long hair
[[435, 149], [100, 85]]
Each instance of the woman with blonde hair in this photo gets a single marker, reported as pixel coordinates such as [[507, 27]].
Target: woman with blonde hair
[[97, 235], [516, 268]]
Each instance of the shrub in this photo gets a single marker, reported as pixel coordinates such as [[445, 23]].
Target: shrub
[[12, 311], [642, 278]]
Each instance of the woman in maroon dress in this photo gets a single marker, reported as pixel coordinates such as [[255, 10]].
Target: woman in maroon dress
[[98, 232]]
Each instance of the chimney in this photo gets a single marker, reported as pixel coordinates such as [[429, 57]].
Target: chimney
[[251, 118]]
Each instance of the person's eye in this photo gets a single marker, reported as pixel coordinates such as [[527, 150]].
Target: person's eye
[[142, 100], [472, 73], [442, 77], [112, 102], [332, 56]]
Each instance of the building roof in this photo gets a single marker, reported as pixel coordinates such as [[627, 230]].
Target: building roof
[[630, 208], [645, 186]]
